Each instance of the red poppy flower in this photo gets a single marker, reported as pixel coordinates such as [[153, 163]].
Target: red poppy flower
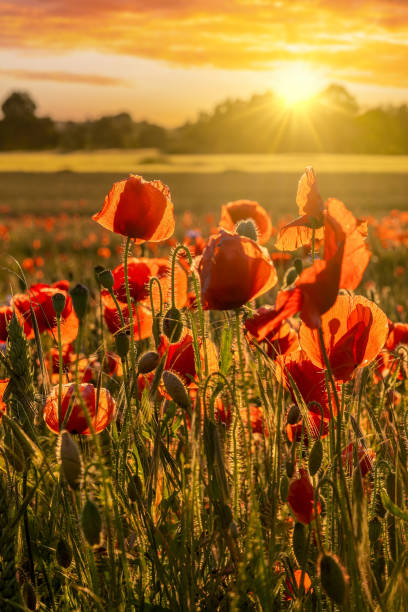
[[52, 361], [140, 271], [299, 374], [139, 209], [77, 422], [180, 356], [142, 318], [365, 456], [397, 334], [240, 210], [89, 369], [300, 231], [234, 270], [301, 498], [306, 584], [354, 332], [258, 422], [40, 297], [6, 313], [3, 386], [282, 341]]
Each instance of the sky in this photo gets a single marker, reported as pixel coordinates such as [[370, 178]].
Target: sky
[[166, 60]]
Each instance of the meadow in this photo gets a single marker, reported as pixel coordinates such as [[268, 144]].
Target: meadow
[[209, 415]]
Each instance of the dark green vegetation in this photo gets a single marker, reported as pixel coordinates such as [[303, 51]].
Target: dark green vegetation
[[331, 122]]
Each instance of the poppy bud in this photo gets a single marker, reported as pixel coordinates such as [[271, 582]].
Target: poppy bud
[[70, 460], [134, 488], [148, 362], [63, 553], [298, 265], [106, 279], [58, 302], [122, 345], [290, 277], [374, 530], [333, 577], [290, 468], [173, 324], [247, 228], [315, 457], [176, 389], [299, 543], [293, 415], [29, 596], [79, 295], [97, 271], [91, 522], [284, 488]]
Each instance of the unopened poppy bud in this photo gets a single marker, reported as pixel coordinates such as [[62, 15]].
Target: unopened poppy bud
[[29, 596], [63, 553], [122, 345], [91, 523], [290, 277], [290, 468], [173, 324], [176, 389], [247, 228], [148, 362], [79, 295], [58, 302], [97, 271], [284, 488], [315, 457], [298, 265], [333, 577], [134, 488], [299, 542], [293, 415], [70, 460], [106, 279]]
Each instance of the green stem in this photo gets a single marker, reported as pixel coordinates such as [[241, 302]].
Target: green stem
[[129, 303], [59, 372]]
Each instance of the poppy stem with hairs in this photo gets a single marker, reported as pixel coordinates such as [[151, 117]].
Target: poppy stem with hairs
[[178, 248], [242, 369], [59, 372], [129, 303]]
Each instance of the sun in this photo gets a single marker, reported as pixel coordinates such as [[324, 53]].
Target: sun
[[296, 84]]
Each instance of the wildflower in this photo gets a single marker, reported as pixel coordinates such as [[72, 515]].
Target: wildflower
[[234, 270], [100, 416], [301, 498], [39, 297], [299, 232], [365, 457], [240, 210], [354, 332], [180, 356], [142, 318], [139, 209]]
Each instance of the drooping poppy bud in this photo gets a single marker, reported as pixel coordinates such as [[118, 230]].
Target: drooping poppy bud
[[333, 577], [148, 362], [173, 324], [70, 460], [176, 389], [91, 523], [79, 295]]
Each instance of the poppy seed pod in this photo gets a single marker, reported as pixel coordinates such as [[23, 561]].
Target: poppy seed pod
[[106, 279], [58, 301], [91, 522], [247, 228], [122, 345], [79, 295], [176, 389], [70, 460], [173, 324], [63, 553], [148, 362], [97, 271], [333, 577], [293, 414]]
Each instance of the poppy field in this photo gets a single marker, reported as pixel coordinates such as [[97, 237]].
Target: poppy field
[[203, 411]]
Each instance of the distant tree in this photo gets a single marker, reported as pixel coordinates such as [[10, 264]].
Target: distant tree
[[19, 105]]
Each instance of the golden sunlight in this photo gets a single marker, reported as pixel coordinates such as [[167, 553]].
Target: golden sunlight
[[297, 83]]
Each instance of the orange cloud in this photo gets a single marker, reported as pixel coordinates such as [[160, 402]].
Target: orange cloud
[[63, 77], [364, 41]]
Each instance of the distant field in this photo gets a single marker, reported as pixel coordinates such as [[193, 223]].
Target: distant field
[[151, 161], [367, 185]]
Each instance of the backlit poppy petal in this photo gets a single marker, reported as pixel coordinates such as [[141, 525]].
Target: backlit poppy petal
[[234, 270], [301, 498], [139, 209], [233, 212]]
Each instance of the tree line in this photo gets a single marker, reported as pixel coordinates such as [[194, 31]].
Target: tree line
[[331, 122]]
